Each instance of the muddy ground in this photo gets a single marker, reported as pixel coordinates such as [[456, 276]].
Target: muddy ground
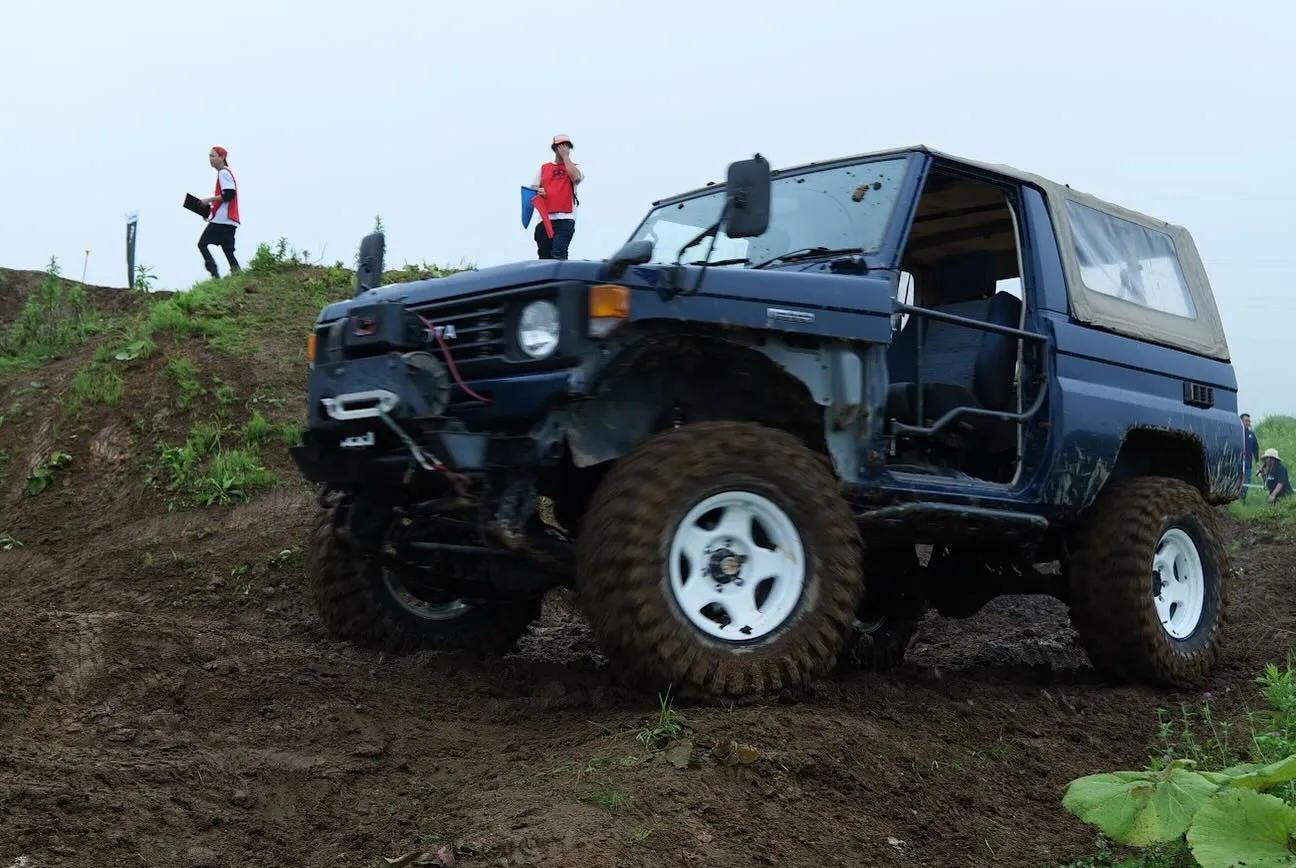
[[155, 715], [167, 698]]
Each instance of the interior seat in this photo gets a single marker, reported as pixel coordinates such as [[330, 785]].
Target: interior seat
[[961, 366]]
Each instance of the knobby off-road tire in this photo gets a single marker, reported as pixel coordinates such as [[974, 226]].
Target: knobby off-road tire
[[623, 555], [356, 603], [1112, 563], [886, 621]]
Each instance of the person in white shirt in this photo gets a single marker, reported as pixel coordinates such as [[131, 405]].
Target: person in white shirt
[[224, 219]]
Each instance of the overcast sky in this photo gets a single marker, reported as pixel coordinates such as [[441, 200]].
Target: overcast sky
[[431, 114]]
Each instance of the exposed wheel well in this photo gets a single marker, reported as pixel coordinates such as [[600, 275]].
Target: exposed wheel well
[[664, 382], [1148, 452], [659, 383]]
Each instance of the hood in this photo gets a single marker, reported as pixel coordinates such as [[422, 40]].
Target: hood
[[808, 285], [467, 283]]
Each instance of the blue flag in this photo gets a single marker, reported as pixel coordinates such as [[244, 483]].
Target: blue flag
[[528, 210]]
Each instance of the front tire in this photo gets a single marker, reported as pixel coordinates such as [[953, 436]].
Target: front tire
[[1147, 573], [720, 556], [359, 601]]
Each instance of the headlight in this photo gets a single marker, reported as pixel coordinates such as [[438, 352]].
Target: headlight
[[538, 329]]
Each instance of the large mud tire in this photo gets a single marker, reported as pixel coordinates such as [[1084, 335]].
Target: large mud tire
[[623, 581], [1113, 587], [356, 603]]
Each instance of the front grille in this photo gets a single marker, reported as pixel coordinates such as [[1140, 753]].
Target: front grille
[[477, 332], [473, 331]]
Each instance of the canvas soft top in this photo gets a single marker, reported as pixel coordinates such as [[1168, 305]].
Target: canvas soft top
[[1109, 257]]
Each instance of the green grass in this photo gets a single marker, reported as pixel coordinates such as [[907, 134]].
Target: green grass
[[213, 467], [236, 315], [183, 374], [95, 383], [269, 307], [56, 318]]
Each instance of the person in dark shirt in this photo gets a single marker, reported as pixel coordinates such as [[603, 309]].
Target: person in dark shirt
[[1250, 453], [1277, 482]]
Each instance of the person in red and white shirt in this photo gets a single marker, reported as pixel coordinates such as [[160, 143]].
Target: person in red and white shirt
[[556, 184], [224, 219]]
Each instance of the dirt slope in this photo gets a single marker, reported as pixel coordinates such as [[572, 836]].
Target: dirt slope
[[167, 697]]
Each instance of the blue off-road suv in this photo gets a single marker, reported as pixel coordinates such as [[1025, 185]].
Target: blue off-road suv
[[733, 437]]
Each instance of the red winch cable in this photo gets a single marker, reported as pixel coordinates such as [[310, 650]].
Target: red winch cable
[[450, 363]]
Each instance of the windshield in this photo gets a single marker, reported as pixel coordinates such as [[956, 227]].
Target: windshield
[[835, 208]]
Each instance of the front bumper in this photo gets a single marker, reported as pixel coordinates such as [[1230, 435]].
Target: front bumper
[[370, 421], [322, 458]]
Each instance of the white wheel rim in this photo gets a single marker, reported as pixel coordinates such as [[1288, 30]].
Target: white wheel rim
[[1179, 583], [737, 556]]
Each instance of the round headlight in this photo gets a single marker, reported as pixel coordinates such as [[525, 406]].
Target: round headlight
[[538, 329]]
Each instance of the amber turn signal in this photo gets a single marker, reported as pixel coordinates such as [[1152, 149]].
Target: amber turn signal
[[608, 300], [310, 348]]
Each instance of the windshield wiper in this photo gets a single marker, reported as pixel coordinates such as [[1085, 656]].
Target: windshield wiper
[[742, 261], [808, 253]]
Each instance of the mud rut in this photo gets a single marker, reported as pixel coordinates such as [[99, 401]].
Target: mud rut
[[150, 715]]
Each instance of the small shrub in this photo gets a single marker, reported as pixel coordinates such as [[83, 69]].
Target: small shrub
[[55, 318]]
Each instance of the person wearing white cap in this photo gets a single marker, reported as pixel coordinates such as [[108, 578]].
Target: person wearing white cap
[[1276, 479], [556, 185]]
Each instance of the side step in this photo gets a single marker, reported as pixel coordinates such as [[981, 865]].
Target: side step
[[951, 521]]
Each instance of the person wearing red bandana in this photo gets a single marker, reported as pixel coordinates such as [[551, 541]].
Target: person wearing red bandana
[[224, 218], [556, 200]]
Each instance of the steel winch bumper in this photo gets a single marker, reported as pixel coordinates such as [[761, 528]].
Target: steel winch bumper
[[374, 420]]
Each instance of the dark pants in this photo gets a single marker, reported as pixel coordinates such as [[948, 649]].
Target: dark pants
[[222, 235], [556, 247], [1246, 479]]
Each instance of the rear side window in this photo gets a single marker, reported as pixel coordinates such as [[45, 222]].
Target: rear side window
[[1129, 261]]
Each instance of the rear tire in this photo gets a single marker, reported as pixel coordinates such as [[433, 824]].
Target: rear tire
[[1147, 576], [715, 608], [357, 602], [879, 644], [887, 619]]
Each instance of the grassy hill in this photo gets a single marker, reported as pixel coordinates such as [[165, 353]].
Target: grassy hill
[[185, 398]]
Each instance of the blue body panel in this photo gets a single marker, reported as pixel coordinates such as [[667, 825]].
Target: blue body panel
[[1101, 386], [852, 307], [844, 306]]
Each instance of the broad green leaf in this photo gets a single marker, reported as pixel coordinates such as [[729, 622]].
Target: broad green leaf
[[1224, 777], [1139, 808], [1243, 828], [1266, 777]]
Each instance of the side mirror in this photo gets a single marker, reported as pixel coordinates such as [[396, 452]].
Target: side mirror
[[370, 267], [633, 253], [747, 198]]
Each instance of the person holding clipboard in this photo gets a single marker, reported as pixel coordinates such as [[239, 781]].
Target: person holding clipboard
[[221, 211]]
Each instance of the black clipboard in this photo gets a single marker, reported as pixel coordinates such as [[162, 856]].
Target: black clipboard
[[194, 204]]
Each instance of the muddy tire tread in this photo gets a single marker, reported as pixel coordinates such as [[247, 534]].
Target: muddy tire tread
[[1111, 582], [620, 553], [353, 607]]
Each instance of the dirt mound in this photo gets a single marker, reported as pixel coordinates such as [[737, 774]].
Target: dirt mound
[[167, 696]]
